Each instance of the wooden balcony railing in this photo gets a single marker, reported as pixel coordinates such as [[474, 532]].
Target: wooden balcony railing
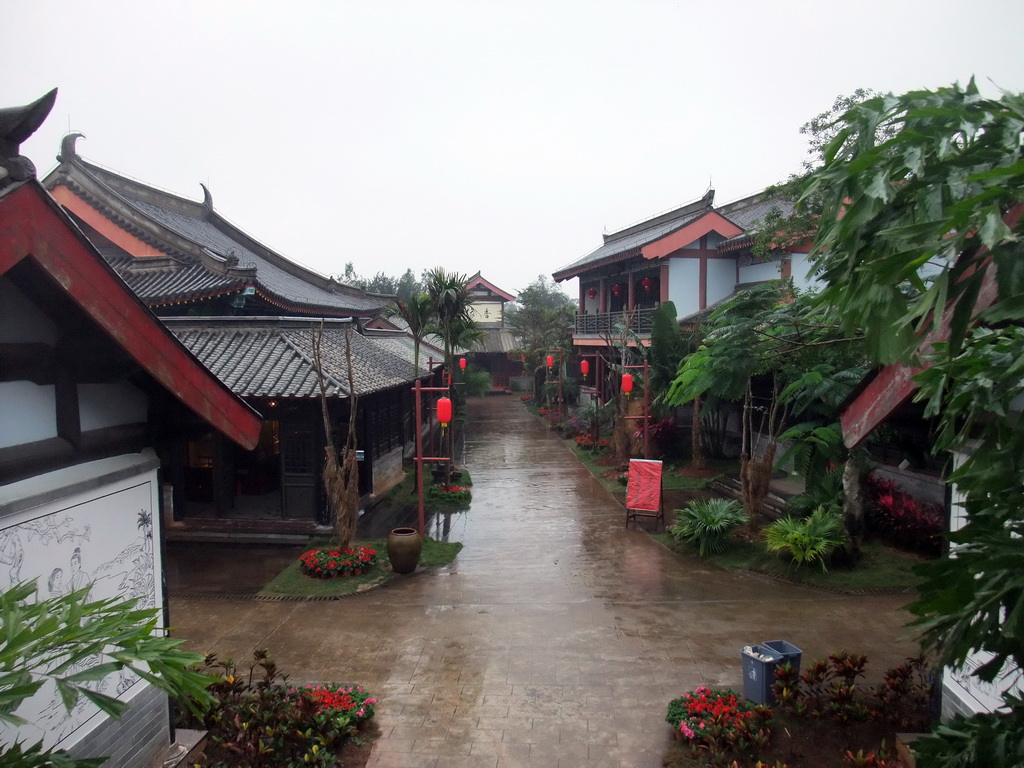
[[604, 323]]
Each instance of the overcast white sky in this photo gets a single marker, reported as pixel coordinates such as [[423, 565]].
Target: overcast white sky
[[503, 137]]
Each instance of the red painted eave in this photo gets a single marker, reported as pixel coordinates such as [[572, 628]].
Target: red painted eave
[[477, 280], [895, 383], [691, 233], [33, 226]]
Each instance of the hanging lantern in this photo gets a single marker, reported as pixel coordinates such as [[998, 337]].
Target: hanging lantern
[[592, 293], [584, 368], [647, 283], [462, 363], [444, 412], [551, 360], [627, 384], [616, 289], [522, 358]]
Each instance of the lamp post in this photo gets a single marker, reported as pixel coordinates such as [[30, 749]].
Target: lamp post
[[551, 362], [444, 411], [627, 388]]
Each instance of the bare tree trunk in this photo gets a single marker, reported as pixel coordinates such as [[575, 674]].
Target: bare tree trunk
[[756, 473], [341, 476], [698, 460], [853, 503]]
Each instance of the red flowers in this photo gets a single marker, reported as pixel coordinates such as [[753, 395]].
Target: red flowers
[[718, 720], [902, 520], [587, 443], [449, 493], [352, 702], [328, 562]]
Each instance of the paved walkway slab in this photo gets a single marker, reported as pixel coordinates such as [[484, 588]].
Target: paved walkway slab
[[556, 638]]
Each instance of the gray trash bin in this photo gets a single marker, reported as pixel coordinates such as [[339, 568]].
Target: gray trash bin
[[759, 673], [788, 651]]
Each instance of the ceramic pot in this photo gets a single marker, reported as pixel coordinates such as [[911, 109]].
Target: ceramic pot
[[404, 545]]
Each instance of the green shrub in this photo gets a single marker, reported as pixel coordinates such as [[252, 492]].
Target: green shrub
[[708, 523], [477, 381], [258, 720], [807, 540]]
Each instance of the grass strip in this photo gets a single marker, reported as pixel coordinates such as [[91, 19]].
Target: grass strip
[[293, 583]]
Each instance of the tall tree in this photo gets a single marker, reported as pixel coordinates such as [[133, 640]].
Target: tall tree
[[933, 181], [540, 319], [758, 343]]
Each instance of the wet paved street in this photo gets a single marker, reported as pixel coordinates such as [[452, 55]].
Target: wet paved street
[[556, 638]]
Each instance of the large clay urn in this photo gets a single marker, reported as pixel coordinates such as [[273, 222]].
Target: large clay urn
[[404, 545]]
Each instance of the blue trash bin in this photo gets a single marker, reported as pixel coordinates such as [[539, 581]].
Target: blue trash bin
[[788, 651], [759, 673]]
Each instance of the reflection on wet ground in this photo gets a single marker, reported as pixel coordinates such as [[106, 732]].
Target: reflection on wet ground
[[556, 638]]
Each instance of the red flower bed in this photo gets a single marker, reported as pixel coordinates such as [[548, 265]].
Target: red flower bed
[[902, 520], [328, 562]]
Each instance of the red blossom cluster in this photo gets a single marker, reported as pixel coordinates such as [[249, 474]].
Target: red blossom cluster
[[903, 520], [442, 492], [352, 702], [721, 720], [327, 562], [587, 443]]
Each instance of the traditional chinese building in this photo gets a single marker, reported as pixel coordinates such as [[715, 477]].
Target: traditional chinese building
[[492, 352], [248, 313], [93, 391]]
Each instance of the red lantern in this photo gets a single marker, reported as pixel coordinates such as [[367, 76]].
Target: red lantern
[[647, 283], [616, 289], [462, 363], [551, 360], [592, 293], [584, 368], [444, 411], [627, 384]]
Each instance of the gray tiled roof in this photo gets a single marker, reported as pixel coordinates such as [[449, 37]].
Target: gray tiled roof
[[629, 242], [744, 213], [270, 276], [495, 340], [172, 281], [273, 357], [191, 232]]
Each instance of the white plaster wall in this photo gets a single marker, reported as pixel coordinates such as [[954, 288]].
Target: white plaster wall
[[110, 405], [962, 693], [28, 412], [21, 320], [800, 270], [92, 524], [486, 311], [721, 279], [684, 285], [757, 272]]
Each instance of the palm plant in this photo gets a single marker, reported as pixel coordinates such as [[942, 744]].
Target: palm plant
[[418, 314], [708, 523], [450, 300], [809, 540]]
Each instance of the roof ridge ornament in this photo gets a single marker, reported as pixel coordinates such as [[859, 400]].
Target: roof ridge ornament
[[207, 198], [16, 125], [67, 146]]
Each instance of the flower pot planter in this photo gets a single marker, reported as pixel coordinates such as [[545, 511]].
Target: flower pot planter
[[404, 546]]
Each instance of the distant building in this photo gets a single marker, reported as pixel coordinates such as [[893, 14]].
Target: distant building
[[695, 256], [492, 352]]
